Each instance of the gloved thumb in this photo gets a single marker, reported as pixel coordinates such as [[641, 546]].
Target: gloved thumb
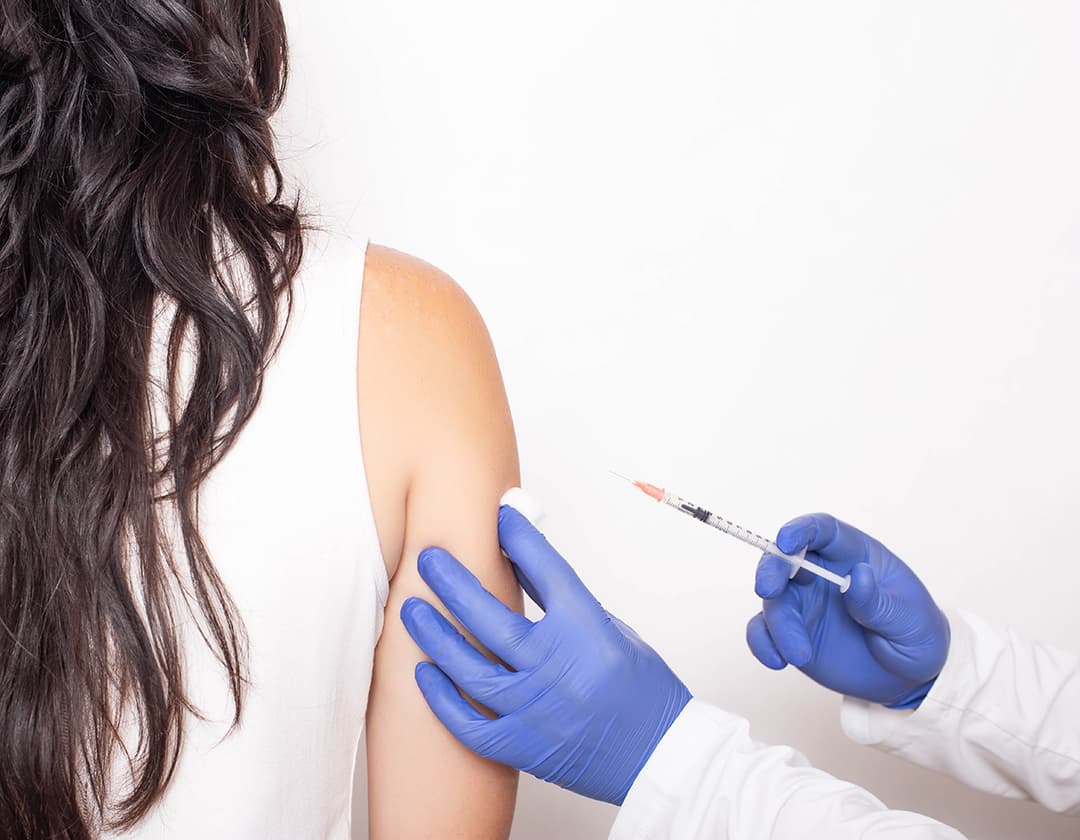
[[865, 601]]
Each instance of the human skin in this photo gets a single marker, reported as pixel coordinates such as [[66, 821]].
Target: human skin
[[439, 452]]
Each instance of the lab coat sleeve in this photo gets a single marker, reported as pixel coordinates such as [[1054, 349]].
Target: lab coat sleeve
[[707, 780], [1003, 717]]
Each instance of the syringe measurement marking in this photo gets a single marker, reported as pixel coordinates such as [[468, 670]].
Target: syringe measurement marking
[[727, 526]]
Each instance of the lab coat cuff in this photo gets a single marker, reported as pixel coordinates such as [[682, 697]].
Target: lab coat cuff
[[674, 769], [894, 730]]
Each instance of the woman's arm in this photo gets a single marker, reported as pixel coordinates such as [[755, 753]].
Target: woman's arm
[[439, 451]]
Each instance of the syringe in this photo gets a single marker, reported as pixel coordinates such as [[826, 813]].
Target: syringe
[[797, 561]]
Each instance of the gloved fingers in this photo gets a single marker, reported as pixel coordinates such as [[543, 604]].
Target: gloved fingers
[[772, 577], [784, 620], [826, 535], [866, 602], [762, 645], [908, 635], [487, 682], [550, 577], [529, 587], [495, 625], [914, 665], [513, 741], [876, 610], [464, 722]]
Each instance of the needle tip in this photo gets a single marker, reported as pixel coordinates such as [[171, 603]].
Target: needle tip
[[648, 489]]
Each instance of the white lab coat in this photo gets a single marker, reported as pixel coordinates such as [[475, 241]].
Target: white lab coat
[[1003, 717]]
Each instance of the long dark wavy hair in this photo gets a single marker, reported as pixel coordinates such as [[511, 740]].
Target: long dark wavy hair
[[137, 165]]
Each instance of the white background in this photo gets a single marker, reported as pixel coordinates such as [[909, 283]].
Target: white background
[[782, 257]]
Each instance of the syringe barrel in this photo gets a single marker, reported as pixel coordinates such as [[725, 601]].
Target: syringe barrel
[[759, 542], [718, 522]]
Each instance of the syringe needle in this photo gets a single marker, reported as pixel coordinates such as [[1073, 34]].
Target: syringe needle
[[620, 475]]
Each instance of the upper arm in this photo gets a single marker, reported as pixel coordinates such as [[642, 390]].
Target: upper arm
[[439, 452]]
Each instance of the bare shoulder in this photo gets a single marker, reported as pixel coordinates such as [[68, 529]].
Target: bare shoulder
[[414, 301], [430, 390]]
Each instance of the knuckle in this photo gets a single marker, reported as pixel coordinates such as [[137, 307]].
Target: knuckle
[[475, 735], [488, 682]]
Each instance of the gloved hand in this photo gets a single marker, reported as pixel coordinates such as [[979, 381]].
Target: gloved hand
[[884, 640], [582, 701]]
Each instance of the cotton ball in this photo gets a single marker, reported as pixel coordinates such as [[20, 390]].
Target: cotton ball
[[524, 504]]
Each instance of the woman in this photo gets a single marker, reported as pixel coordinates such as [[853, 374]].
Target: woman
[[208, 449]]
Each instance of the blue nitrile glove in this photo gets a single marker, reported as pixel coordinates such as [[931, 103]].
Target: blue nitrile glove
[[582, 701], [884, 640]]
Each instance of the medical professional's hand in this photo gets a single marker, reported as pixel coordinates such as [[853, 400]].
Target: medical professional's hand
[[582, 701], [884, 640]]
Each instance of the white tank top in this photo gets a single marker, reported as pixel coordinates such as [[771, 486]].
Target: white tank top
[[288, 524]]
